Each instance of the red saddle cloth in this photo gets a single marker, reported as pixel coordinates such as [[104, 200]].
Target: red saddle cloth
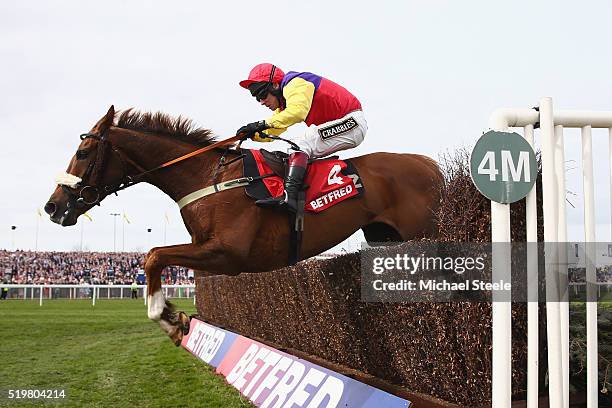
[[329, 181]]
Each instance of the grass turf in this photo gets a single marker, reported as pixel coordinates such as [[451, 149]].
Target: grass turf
[[109, 355]]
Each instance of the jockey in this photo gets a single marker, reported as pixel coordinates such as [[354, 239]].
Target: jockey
[[333, 115]]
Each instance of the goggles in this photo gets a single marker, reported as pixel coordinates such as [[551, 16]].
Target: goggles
[[260, 90]]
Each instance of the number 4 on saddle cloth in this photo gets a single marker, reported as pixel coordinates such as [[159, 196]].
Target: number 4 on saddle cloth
[[328, 181]]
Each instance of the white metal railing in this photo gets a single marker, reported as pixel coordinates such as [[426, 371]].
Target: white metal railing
[[606, 285], [65, 291], [552, 124]]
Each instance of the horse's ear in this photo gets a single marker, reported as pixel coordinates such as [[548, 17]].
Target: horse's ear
[[106, 121]]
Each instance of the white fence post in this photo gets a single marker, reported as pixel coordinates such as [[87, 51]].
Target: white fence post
[[590, 252], [563, 266], [552, 125], [532, 288], [501, 311], [550, 209]]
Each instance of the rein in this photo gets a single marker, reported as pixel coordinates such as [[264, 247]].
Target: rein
[[189, 155]]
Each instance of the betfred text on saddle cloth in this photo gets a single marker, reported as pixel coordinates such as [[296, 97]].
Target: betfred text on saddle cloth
[[328, 181]]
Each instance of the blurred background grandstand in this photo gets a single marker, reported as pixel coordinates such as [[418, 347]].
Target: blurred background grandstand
[[95, 268], [122, 268]]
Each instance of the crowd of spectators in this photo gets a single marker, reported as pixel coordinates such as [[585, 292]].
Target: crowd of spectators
[[96, 268], [122, 268]]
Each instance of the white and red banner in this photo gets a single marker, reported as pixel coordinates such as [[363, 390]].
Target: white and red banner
[[271, 378]]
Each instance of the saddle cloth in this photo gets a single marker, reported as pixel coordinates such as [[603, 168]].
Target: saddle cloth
[[328, 181]]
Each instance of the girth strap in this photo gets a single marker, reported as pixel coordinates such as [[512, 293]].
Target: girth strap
[[218, 187], [296, 229]]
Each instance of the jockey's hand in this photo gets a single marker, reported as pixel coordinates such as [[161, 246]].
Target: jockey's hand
[[252, 129]]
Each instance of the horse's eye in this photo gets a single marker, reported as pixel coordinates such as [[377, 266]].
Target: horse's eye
[[81, 154]]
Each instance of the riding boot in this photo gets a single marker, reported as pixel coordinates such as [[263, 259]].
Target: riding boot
[[298, 163]]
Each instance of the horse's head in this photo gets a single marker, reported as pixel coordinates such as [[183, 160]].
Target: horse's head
[[94, 172]]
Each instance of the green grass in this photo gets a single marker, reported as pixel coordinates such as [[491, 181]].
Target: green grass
[[578, 345], [109, 355], [580, 297]]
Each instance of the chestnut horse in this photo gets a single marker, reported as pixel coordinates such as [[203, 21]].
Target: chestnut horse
[[229, 234]]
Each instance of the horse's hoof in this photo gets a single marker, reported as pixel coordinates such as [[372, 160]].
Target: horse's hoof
[[184, 323], [177, 336]]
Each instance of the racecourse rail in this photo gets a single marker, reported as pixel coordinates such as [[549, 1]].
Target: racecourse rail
[[551, 124], [93, 291], [170, 291]]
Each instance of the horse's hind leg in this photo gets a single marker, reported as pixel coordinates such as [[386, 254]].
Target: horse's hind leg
[[402, 223], [380, 233]]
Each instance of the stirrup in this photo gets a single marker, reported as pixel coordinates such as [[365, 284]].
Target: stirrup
[[272, 202]]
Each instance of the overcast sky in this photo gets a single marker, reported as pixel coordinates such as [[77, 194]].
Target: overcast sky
[[428, 74]]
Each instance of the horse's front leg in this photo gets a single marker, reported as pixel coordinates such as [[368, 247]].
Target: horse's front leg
[[195, 256]]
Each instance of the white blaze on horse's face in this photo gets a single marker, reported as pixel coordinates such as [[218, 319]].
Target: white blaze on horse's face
[[156, 304], [67, 179]]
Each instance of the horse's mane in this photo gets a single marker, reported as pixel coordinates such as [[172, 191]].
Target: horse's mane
[[179, 128]]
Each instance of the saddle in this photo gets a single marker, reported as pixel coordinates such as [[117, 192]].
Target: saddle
[[277, 161], [328, 182], [323, 177]]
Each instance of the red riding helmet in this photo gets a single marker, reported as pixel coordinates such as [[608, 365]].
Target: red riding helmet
[[263, 73]]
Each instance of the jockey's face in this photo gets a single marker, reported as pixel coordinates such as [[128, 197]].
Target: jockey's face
[[271, 101]]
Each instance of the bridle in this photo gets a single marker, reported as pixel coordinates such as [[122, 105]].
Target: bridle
[[90, 184], [87, 192]]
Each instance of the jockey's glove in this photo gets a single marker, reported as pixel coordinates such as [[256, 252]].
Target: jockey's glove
[[261, 138], [253, 129]]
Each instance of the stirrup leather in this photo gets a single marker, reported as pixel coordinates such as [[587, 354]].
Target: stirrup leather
[[272, 202]]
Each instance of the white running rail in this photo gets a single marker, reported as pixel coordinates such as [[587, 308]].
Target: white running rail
[[551, 124], [94, 292]]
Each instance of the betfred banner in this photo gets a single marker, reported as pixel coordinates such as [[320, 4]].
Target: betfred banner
[[271, 378]]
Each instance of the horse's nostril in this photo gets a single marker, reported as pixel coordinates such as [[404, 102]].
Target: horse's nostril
[[50, 208]]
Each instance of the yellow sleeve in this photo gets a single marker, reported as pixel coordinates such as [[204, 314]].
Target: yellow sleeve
[[298, 95], [272, 131]]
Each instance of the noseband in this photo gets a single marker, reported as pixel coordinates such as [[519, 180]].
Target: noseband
[[88, 191]]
